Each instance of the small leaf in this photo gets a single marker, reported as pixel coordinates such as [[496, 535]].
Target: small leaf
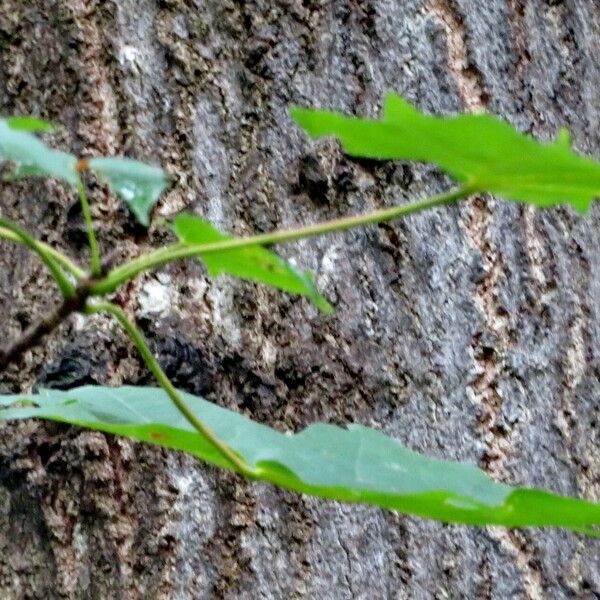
[[137, 184], [252, 262], [356, 464], [480, 150], [32, 157], [30, 124]]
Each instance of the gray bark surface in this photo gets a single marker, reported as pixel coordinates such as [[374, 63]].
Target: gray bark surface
[[469, 332]]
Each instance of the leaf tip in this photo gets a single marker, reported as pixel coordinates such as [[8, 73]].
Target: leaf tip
[[138, 184], [396, 108], [323, 304]]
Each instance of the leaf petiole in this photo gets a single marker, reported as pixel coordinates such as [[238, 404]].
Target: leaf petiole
[[95, 264], [237, 463], [46, 255], [178, 251], [63, 260]]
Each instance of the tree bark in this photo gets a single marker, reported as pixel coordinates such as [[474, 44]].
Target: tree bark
[[469, 332]]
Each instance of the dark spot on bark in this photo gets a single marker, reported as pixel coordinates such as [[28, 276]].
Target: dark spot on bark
[[312, 179], [186, 366], [73, 369], [344, 177]]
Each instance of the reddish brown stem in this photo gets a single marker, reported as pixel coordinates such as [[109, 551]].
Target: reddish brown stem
[[34, 334]]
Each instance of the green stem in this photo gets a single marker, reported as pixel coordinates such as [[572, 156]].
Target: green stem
[[59, 257], [178, 251], [95, 265], [47, 258], [237, 462]]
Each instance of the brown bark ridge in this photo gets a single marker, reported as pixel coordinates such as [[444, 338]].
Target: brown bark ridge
[[469, 332]]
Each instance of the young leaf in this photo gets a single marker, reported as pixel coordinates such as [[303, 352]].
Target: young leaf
[[480, 150], [30, 155], [356, 464], [31, 124], [252, 262], [138, 185]]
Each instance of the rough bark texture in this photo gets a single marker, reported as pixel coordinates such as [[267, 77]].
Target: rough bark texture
[[469, 333]]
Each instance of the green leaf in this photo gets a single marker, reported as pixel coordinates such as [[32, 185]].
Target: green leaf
[[480, 150], [31, 156], [356, 464], [137, 184], [252, 262], [31, 124]]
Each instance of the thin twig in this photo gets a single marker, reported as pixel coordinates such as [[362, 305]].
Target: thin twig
[[89, 225], [34, 334], [178, 251]]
